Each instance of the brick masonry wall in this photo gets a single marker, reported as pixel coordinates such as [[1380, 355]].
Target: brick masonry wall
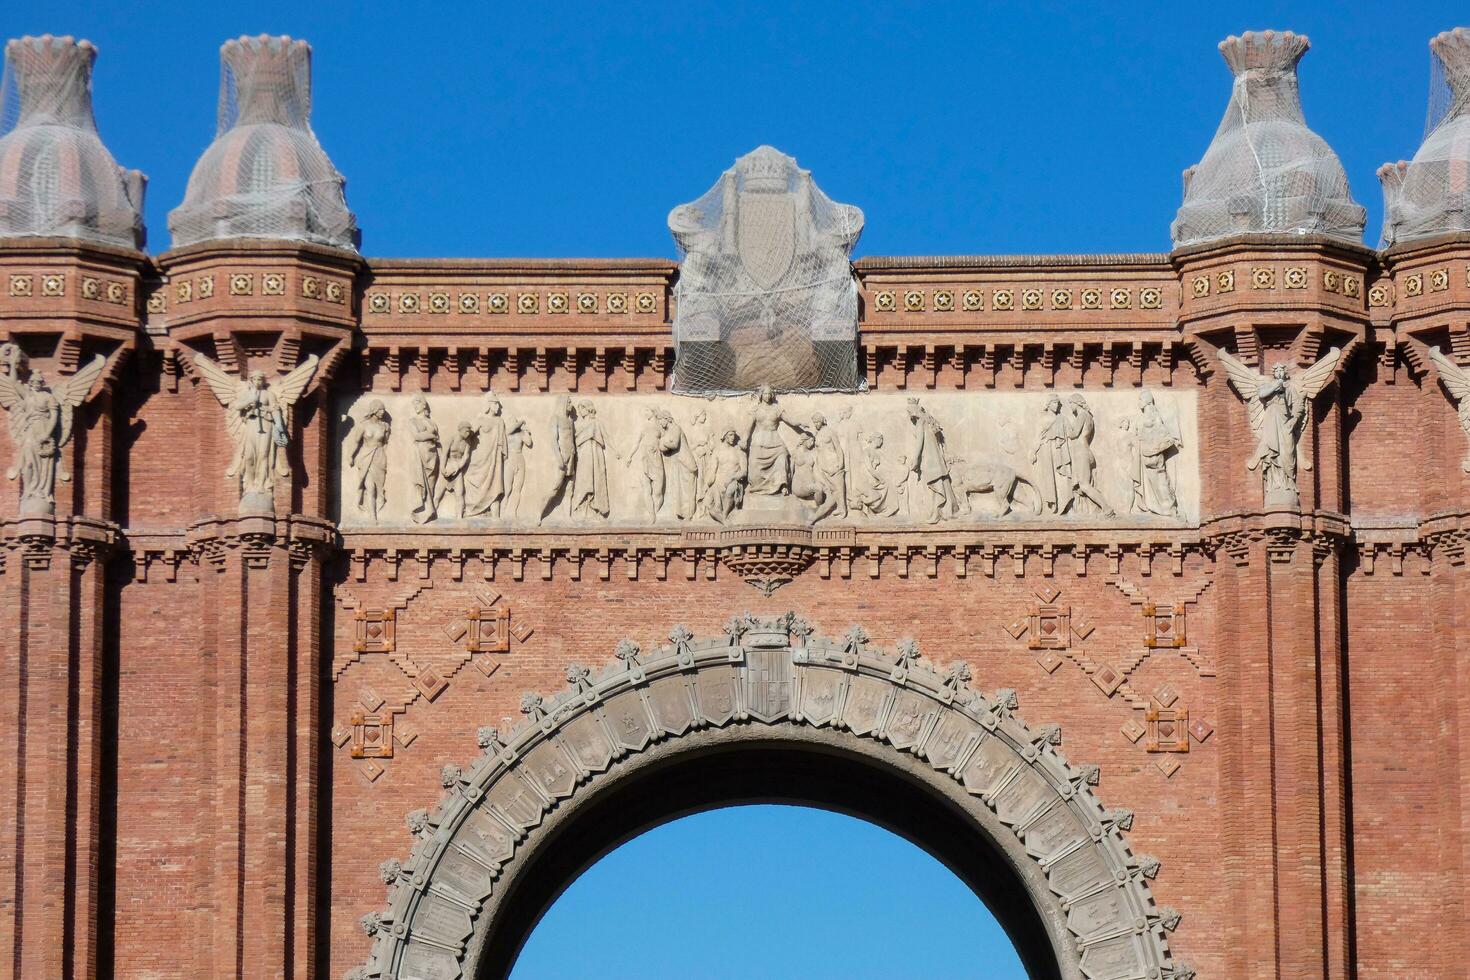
[[202, 697]]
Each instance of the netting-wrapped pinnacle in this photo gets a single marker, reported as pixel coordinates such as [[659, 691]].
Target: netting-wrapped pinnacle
[[1430, 195], [1265, 171], [766, 294], [56, 177], [265, 175]]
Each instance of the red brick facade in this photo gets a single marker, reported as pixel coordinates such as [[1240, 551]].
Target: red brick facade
[[216, 723]]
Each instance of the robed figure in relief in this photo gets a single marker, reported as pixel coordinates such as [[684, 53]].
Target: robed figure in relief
[[257, 417], [929, 464], [769, 468], [1152, 445], [41, 419], [486, 473], [1278, 408]]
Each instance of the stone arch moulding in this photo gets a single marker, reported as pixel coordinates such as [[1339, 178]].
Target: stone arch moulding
[[772, 680]]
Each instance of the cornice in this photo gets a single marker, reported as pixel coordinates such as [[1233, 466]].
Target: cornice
[[1275, 243]]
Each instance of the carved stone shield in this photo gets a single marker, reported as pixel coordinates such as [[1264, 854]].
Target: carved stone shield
[[765, 235]]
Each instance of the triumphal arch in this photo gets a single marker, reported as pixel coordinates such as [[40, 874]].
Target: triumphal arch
[[350, 607]]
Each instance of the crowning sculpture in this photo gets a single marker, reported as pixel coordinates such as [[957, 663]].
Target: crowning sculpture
[[56, 177], [766, 293], [40, 427], [1265, 171], [1430, 194], [257, 417], [265, 175], [1278, 409]]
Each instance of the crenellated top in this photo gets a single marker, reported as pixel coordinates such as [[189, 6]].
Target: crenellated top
[[1428, 195], [1265, 171], [265, 80], [265, 175], [57, 180]]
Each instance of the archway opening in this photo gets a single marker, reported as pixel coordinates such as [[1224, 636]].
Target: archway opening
[[846, 896], [802, 768]]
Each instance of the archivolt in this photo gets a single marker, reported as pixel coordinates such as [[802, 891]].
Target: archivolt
[[774, 674]]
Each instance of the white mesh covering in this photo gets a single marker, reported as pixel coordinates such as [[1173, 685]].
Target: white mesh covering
[[56, 177], [1430, 195], [1266, 171], [265, 175], [766, 293]]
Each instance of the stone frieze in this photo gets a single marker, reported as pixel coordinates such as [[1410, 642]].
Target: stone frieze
[[595, 462]]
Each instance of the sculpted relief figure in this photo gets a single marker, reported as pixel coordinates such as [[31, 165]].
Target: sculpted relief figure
[[486, 476], [1457, 381], [457, 456], [769, 467], [875, 492], [807, 483], [935, 497], [517, 440], [1081, 428], [1064, 459], [40, 426], [1278, 408], [682, 466], [564, 444], [367, 452], [589, 476], [727, 483], [831, 461], [257, 418], [1052, 455], [648, 458], [425, 434], [1152, 445]]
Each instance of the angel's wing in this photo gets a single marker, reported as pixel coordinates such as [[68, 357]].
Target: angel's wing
[[1455, 378], [1246, 382], [1315, 378], [12, 392], [72, 391], [224, 385], [288, 389]]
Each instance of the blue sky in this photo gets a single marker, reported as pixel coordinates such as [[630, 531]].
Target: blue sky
[[571, 129], [827, 895]]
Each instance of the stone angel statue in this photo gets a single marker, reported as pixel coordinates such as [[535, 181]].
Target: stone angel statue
[[1278, 408], [40, 425], [1457, 381], [257, 416]]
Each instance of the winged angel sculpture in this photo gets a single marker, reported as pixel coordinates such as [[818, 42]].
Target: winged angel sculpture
[[1457, 381], [257, 416], [40, 425], [1278, 407]]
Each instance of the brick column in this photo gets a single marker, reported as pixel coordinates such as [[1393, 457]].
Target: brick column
[[64, 304], [261, 589], [261, 306]]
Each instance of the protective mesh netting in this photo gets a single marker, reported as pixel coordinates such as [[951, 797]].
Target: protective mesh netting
[[265, 175], [56, 177], [1265, 171], [766, 293], [1430, 195]]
